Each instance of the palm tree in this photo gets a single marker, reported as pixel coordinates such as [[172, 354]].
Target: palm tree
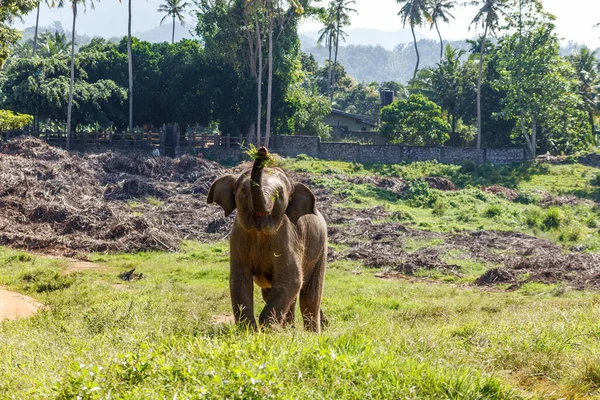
[[61, 4], [130, 68], [174, 9], [37, 23], [54, 44], [342, 18], [585, 64], [414, 12], [439, 11], [488, 16], [327, 35]]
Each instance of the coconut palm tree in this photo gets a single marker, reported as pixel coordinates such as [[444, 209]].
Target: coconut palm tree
[[61, 4], [414, 12], [440, 11], [327, 35], [342, 11], [130, 68], [488, 16], [37, 24], [52, 44], [174, 9]]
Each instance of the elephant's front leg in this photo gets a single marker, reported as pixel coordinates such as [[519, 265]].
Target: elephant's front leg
[[282, 295], [242, 295]]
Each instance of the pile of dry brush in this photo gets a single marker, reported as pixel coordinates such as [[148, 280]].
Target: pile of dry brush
[[68, 203]]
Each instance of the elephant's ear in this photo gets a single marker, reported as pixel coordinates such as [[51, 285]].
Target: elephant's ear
[[222, 192], [302, 202]]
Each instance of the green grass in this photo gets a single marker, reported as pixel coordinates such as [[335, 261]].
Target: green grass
[[162, 336], [156, 337], [470, 208]]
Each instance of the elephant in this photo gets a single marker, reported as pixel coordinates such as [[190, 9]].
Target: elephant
[[278, 241]]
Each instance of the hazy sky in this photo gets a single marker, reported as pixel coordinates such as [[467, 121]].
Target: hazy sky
[[575, 19]]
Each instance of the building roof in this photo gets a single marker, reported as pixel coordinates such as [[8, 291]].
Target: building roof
[[363, 119]]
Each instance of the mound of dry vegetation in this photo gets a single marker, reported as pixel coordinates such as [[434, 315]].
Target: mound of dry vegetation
[[67, 203]]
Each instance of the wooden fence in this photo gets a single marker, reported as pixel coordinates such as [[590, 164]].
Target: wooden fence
[[162, 139]]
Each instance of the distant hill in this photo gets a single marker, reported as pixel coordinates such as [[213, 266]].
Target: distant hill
[[163, 32], [366, 37], [376, 64]]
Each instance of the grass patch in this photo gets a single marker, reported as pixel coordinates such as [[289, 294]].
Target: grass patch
[[386, 339]]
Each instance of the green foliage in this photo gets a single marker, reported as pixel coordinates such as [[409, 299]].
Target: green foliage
[[310, 111], [540, 86], [417, 189], [468, 167], [493, 210], [40, 86], [10, 120], [552, 219], [9, 11], [415, 121], [525, 197]]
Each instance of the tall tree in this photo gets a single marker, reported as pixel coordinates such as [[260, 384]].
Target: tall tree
[[176, 10], [414, 12], [586, 66], [130, 67], [35, 33], [73, 3], [488, 16], [439, 10], [342, 11], [327, 35]]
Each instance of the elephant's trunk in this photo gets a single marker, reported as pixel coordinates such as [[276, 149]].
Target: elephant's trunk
[[258, 197]]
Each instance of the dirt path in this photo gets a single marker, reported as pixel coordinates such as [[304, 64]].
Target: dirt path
[[14, 305]]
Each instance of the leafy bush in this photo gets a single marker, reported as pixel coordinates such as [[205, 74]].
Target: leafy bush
[[493, 210], [10, 120], [467, 167], [533, 218], [573, 234], [417, 189], [439, 207], [528, 198], [552, 219]]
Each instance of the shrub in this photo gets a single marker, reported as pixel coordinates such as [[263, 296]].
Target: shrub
[[571, 235], [439, 207], [417, 189], [591, 223], [493, 211], [533, 218], [595, 180], [467, 167], [552, 219], [528, 198]]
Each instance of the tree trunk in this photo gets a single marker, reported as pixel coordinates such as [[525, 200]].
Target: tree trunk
[[591, 114], [533, 136], [329, 94], [526, 136], [173, 34], [412, 29], [259, 82], [479, 77], [441, 41], [270, 81], [37, 23], [130, 59], [337, 45], [72, 81]]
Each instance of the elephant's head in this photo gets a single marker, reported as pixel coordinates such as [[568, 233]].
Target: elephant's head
[[262, 196]]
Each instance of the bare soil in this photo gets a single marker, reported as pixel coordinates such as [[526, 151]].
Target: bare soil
[[70, 204], [14, 305]]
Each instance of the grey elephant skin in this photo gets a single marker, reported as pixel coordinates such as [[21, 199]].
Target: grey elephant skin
[[278, 241]]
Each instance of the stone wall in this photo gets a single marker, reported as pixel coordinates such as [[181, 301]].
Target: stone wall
[[312, 146]]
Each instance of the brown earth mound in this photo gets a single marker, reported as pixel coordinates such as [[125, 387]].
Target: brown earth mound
[[60, 202]]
